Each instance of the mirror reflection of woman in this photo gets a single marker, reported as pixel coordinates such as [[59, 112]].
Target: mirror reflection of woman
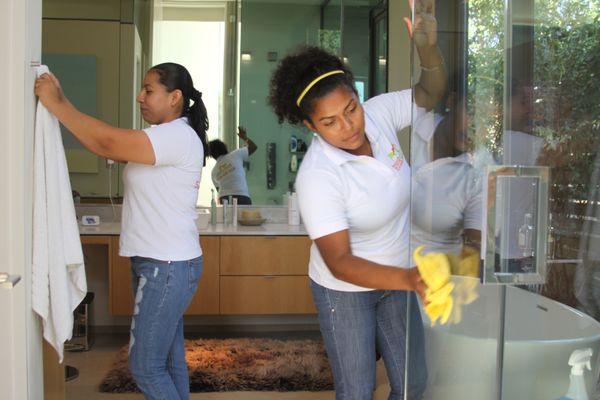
[[158, 231], [228, 174], [447, 190], [354, 193]]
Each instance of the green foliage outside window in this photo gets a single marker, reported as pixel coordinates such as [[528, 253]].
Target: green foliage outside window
[[566, 88]]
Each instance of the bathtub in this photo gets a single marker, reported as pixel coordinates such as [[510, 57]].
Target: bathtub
[[541, 334]]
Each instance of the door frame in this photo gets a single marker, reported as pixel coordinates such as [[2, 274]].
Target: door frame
[[378, 14], [21, 372]]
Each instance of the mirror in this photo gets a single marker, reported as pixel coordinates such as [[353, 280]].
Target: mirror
[[269, 30], [232, 71], [99, 53]]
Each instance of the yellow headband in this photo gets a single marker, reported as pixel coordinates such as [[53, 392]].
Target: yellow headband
[[314, 82]]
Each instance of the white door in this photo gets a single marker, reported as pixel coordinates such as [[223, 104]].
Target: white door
[[20, 335]]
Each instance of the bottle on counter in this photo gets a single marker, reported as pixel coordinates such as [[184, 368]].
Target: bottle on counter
[[293, 210], [213, 208], [224, 202], [234, 213]]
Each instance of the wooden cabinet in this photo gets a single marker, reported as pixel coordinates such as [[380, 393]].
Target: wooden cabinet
[[266, 295], [206, 300], [265, 275], [264, 255], [120, 297], [240, 275], [120, 290]]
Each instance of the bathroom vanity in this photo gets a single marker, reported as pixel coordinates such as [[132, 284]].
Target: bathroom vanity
[[247, 270]]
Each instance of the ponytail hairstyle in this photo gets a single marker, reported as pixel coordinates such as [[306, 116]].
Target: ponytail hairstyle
[[176, 77]]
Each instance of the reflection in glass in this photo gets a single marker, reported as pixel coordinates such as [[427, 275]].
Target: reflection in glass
[[524, 95]]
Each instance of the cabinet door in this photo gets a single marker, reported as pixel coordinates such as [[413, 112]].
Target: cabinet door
[[265, 255], [266, 295], [206, 300], [120, 292]]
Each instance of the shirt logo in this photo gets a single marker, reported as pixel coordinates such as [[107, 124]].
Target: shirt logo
[[394, 155], [224, 170]]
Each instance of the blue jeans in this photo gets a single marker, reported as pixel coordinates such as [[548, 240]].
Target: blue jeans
[[355, 325], [163, 291]]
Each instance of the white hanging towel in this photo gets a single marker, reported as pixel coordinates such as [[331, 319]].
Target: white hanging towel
[[58, 274]]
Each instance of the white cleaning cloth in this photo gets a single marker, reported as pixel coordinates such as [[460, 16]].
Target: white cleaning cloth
[[58, 274]]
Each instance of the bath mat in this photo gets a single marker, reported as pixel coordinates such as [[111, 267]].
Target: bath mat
[[219, 365]]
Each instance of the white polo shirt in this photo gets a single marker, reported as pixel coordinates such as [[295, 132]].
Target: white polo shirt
[[446, 199], [229, 175], [159, 205], [369, 196], [446, 193]]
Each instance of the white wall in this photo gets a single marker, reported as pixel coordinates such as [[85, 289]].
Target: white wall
[[20, 339], [100, 39]]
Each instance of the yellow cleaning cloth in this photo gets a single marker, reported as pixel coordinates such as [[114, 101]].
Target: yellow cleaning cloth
[[466, 263], [435, 271], [465, 293], [445, 298]]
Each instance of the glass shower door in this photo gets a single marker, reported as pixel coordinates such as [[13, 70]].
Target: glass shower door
[[505, 183]]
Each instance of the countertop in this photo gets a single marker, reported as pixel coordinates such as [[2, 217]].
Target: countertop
[[266, 229]]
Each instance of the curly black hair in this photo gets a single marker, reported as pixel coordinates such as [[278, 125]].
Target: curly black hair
[[295, 72], [216, 148]]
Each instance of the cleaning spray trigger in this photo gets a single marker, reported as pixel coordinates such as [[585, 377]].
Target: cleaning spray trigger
[[579, 360]]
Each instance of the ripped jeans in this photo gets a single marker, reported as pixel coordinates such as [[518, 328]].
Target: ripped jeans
[[163, 291]]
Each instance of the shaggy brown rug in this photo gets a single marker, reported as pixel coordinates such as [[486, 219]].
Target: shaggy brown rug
[[219, 365]]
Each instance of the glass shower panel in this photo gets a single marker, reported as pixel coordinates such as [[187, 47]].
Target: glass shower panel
[[505, 183], [451, 145], [551, 121]]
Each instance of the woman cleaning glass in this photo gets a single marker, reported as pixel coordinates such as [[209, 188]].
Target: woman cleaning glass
[[354, 193]]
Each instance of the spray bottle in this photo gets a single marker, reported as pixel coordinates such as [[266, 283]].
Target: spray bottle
[[579, 360]]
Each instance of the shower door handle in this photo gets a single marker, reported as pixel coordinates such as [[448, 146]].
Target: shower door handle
[[515, 224], [8, 281]]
